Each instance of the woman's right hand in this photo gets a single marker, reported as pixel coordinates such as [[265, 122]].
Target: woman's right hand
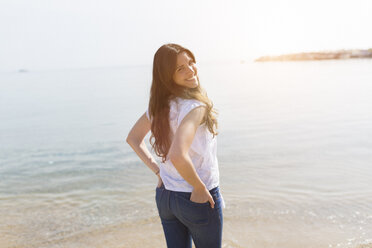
[[160, 182], [201, 195]]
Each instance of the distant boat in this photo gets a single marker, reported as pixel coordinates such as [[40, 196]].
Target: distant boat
[[22, 70]]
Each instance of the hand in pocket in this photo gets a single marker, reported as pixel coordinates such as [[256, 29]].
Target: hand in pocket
[[160, 182]]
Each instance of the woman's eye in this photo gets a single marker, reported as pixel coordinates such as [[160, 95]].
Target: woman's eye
[[182, 68]]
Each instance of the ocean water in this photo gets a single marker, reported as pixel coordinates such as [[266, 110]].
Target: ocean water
[[294, 150]]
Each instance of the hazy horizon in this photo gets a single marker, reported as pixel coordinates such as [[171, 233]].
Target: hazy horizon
[[41, 35]]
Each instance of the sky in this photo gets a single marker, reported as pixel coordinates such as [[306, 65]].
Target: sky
[[59, 34]]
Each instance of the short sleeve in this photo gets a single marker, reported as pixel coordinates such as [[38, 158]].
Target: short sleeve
[[147, 114], [187, 107]]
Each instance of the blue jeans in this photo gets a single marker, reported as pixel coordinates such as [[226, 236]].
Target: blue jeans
[[184, 220]]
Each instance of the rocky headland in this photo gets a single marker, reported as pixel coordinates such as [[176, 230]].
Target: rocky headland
[[339, 54]]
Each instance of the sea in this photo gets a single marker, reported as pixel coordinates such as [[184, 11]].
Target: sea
[[294, 152]]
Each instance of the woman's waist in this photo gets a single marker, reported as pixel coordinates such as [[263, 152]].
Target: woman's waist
[[203, 170], [214, 190]]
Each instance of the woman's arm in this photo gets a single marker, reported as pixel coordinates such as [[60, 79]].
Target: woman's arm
[[136, 140], [179, 156]]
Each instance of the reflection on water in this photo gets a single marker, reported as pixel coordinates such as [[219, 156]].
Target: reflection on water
[[294, 153]]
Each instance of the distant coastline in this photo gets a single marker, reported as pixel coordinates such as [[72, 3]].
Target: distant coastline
[[326, 55]]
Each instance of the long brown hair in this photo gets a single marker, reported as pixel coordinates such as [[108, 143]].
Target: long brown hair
[[164, 89]]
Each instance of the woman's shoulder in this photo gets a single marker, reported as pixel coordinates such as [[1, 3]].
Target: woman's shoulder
[[187, 102], [184, 106]]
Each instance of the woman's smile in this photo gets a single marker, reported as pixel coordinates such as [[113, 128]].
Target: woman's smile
[[191, 79]]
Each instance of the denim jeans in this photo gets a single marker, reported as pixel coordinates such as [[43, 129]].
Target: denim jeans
[[184, 220]]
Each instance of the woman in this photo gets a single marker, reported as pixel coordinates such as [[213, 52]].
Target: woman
[[183, 133]]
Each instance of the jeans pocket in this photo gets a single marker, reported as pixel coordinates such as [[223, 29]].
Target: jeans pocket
[[192, 212]]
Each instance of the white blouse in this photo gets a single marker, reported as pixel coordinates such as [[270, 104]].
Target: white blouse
[[203, 151]]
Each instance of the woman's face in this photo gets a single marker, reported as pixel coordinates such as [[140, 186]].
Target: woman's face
[[186, 71]]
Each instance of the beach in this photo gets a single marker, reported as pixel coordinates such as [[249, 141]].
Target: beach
[[293, 150]]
